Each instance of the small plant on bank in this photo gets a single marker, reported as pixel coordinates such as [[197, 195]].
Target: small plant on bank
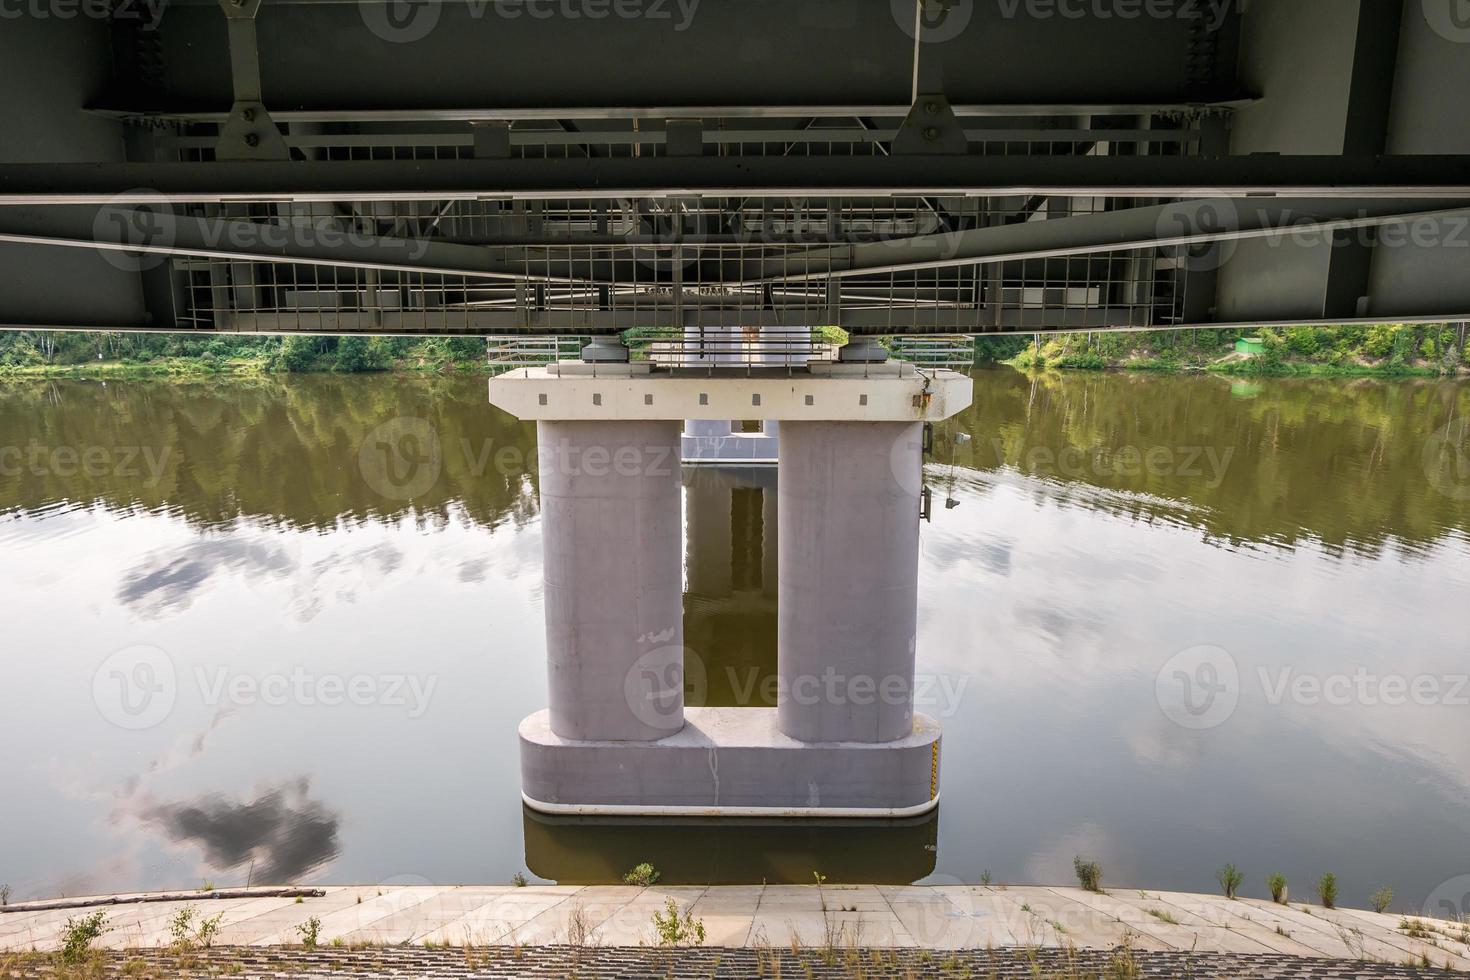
[[1229, 878], [79, 935], [519, 880], [1381, 899], [642, 875], [985, 877], [311, 931], [1123, 965], [672, 929], [4, 895], [1277, 884], [1327, 891], [580, 930], [190, 932], [1089, 874]]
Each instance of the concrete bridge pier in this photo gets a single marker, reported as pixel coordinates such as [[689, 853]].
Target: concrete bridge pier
[[848, 497], [617, 739], [613, 549]]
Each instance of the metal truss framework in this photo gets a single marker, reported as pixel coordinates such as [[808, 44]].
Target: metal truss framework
[[238, 204]]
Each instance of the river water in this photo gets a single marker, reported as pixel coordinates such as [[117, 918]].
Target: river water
[[1166, 623]]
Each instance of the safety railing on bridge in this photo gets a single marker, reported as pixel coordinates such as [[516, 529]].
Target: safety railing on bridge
[[953, 351]]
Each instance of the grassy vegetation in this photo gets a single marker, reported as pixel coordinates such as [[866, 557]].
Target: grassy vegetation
[[109, 355], [1229, 878], [642, 875], [1089, 874], [673, 929], [1348, 350], [1327, 891]]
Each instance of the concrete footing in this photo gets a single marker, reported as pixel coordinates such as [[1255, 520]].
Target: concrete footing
[[730, 762]]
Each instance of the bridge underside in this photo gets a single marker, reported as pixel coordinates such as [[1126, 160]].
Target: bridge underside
[[585, 167]]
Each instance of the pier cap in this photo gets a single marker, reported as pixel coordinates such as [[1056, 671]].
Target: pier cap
[[824, 392]]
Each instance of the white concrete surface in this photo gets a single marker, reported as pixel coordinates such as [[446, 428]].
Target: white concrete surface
[[730, 762], [849, 503], [933, 917], [612, 540]]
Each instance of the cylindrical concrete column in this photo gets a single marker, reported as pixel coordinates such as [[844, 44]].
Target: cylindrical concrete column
[[611, 532], [848, 500]]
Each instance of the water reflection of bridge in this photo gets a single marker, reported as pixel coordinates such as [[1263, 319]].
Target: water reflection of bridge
[[730, 585], [596, 850]]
